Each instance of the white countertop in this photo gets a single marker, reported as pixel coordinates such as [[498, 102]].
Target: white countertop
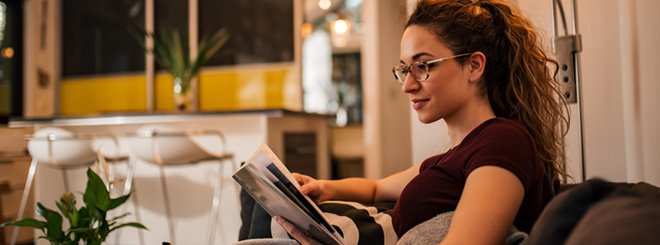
[[142, 118]]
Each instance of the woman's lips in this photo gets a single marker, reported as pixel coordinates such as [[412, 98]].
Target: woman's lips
[[419, 103]]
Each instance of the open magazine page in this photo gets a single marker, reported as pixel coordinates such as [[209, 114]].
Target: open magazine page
[[268, 163], [264, 156], [270, 183]]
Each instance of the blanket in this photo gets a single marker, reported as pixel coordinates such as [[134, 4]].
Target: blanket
[[435, 229]]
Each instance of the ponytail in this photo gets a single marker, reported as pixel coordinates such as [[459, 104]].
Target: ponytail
[[517, 80]]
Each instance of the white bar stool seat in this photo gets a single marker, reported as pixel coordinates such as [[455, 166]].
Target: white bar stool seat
[[166, 146], [63, 149]]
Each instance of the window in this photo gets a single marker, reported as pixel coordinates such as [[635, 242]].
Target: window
[[256, 37], [11, 62], [95, 40], [101, 58]]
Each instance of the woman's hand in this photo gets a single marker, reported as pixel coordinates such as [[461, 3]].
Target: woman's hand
[[312, 187], [295, 232]]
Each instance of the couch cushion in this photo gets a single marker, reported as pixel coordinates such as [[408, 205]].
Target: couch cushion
[[247, 208], [621, 218], [647, 191], [596, 212], [560, 216]]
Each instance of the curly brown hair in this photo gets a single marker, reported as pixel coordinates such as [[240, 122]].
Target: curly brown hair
[[517, 79]]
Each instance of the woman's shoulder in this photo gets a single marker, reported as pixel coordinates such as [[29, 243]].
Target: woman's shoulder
[[506, 124], [502, 137], [431, 161], [507, 143], [499, 128]]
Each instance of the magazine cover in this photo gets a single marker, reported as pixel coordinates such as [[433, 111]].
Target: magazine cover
[[272, 186]]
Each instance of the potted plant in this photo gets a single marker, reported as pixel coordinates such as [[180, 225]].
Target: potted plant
[[88, 223], [173, 53]]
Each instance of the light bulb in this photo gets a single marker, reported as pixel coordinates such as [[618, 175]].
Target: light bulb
[[340, 26], [325, 4]]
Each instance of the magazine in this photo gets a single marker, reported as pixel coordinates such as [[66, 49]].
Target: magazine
[[272, 186]]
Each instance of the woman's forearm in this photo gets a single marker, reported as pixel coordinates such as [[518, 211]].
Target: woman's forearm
[[351, 189]]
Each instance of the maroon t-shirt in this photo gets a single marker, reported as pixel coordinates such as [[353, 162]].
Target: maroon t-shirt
[[439, 184]]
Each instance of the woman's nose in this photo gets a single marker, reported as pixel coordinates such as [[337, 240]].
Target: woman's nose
[[410, 84]]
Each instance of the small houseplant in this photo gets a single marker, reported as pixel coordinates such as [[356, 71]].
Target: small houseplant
[[88, 224], [173, 53]]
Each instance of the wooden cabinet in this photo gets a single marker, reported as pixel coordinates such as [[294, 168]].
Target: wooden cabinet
[[347, 151], [14, 165]]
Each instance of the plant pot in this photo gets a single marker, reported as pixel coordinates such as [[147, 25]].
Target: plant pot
[[182, 95], [341, 116]]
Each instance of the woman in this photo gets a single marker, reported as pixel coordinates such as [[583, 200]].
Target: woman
[[477, 65]]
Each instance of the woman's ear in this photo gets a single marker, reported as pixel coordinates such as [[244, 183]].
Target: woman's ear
[[476, 65]]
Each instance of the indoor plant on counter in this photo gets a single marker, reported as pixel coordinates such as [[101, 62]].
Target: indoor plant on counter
[[88, 224], [173, 53]]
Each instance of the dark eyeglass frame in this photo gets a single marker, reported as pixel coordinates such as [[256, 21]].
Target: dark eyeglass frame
[[405, 70]]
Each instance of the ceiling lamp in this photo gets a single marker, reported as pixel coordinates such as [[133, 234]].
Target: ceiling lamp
[[340, 32], [307, 29], [340, 26], [325, 4]]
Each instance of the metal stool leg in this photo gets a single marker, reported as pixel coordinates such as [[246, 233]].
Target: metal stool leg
[[137, 217], [216, 204], [26, 192], [128, 185], [66, 180], [166, 200]]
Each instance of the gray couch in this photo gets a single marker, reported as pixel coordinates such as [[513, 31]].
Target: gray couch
[[593, 212]]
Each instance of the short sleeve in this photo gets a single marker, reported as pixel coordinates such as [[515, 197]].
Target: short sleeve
[[508, 145], [427, 163]]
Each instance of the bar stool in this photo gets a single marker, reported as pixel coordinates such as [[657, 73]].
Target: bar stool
[[65, 150], [166, 146]]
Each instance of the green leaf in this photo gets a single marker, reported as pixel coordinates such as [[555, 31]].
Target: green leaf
[[103, 229], [96, 242], [87, 224], [177, 54], [131, 224], [96, 215], [119, 217], [208, 48], [114, 203], [43, 211], [84, 219], [74, 218], [71, 238], [173, 52], [96, 194], [65, 212], [82, 234], [82, 230], [52, 240], [54, 226], [27, 222]]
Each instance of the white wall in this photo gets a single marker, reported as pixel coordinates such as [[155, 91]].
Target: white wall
[[640, 59], [386, 124], [620, 87]]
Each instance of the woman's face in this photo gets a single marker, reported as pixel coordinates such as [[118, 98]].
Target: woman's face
[[446, 91]]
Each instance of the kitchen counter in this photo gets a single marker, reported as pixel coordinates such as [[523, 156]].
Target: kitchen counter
[[299, 139]]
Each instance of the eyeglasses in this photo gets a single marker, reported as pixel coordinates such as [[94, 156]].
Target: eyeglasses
[[419, 69]]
